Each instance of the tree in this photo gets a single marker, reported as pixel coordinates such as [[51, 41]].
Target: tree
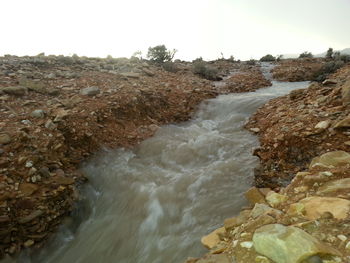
[[160, 54], [267, 58], [306, 55], [329, 53]]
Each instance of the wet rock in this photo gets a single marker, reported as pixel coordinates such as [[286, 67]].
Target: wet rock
[[211, 240], [331, 159], [316, 206], [38, 114], [288, 244], [16, 90], [90, 91], [345, 123], [5, 138]]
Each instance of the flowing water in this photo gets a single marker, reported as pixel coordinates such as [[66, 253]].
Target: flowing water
[[152, 204]]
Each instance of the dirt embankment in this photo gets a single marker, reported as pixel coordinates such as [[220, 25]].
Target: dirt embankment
[[56, 111], [298, 69], [305, 140]]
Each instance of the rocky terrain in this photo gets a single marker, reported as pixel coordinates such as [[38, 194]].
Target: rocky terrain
[[56, 111], [300, 208]]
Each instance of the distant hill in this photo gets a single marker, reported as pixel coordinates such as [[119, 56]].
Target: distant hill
[[345, 51]]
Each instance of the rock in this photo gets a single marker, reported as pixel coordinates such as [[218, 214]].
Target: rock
[[288, 244], [28, 189], [28, 243], [211, 240], [38, 114], [16, 90], [63, 180], [260, 209], [50, 125], [30, 217], [329, 82], [35, 86], [256, 130], [5, 138], [331, 160], [296, 209], [247, 244], [322, 125], [274, 199], [131, 75], [335, 186], [90, 91], [294, 94], [345, 123], [253, 195], [316, 206], [220, 258], [346, 92], [261, 259], [60, 115], [233, 222]]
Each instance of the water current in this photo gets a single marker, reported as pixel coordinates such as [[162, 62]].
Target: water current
[[152, 204]]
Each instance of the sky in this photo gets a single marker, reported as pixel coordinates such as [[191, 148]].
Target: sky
[[244, 29]]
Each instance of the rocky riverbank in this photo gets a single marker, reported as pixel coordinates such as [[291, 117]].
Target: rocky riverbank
[[56, 111], [304, 158]]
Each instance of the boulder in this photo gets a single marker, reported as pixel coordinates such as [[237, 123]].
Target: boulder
[[315, 206], [331, 159], [16, 90], [211, 240], [288, 244], [90, 91]]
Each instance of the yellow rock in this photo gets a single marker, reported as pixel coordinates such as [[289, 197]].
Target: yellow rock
[[316, 206], [253, 195], [211, 240], [275, 199], [336, 185]]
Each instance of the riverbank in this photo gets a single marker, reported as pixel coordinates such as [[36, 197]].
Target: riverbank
[[57, 111], [304, 158]]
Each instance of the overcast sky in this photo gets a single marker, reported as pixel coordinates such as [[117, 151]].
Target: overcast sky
[[242, 28]]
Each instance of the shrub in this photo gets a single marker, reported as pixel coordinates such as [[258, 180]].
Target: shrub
[[251, 62], [306, 55], [329, 53], [160, 54], [267, 58], [170, 67], [328, 68], [208, 72]]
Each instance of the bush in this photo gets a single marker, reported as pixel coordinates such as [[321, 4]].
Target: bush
[[208, 72], [328, 68], [170, 67], [267, 58], [160, 54], [251, 62], [306, 55], [329, 53]]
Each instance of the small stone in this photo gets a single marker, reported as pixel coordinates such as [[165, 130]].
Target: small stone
[[342, 237], [323, 125], [29, 164], [347, 246], [261, 259], [17, 90], [5, 138], [27, 189], [50, 125], [256, 130], [30, 217], [329, 82], [345, 123], [90, 91], [247, 244], [233, 222], [260, 209], [28, 243], [38, 114], [219, 258]]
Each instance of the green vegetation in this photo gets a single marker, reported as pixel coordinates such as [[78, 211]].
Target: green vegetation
[[306, 55], [170, 67], [201, 68], [160, 54], [329, 53], [268, 58]]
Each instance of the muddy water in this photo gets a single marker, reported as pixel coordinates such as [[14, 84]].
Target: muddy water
[[152, 204]]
